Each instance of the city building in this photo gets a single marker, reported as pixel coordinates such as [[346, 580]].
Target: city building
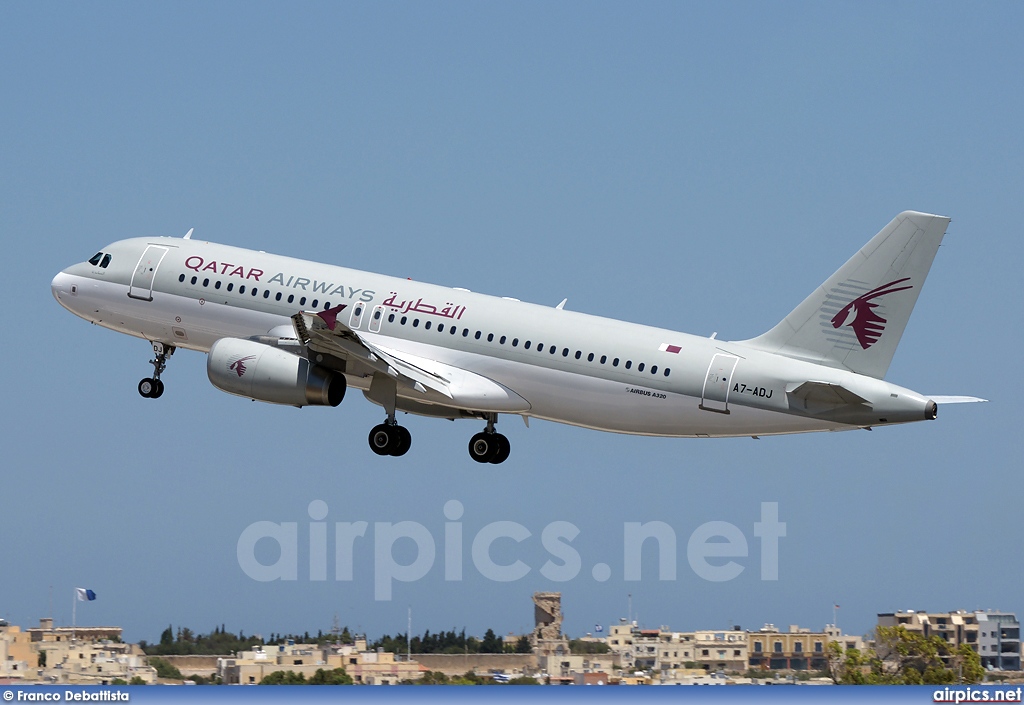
[[999, 640], [994, 635], [795, 650], [47, 632], [75, 662], [365, 667], [66, 655], [719, 650], [955, 628], [16, 654]]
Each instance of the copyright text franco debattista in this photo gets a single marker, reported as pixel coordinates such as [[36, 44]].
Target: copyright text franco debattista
[[70, 696]]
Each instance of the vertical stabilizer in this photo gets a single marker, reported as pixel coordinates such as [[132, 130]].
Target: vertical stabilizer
[[856, 318]]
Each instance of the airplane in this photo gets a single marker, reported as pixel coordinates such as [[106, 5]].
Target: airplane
[[300, 333]]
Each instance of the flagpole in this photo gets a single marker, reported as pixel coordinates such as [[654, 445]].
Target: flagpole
[[74, 612]]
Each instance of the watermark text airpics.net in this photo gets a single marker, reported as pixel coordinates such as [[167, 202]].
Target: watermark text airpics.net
[[715, 550]]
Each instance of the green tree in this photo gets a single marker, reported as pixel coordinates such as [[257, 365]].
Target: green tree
[[523, 645], [119, 681], [283, 678], [336, 676], [165, 670], [167, 637], [903, 657], [491, 644], [578, 646], [136, 680]]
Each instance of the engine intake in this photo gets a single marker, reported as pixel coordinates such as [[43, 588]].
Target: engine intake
[[266, 373]]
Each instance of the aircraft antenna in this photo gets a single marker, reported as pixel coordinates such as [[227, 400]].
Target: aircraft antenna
[[188, 235]]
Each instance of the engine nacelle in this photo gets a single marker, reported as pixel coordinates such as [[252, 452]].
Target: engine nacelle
[[263, 372]]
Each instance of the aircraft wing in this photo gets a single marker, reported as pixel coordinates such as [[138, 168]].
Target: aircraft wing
[[322, 332]]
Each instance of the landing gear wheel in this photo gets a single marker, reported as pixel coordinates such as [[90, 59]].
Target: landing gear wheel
[[147, 387], [482, 447], [404, 441], [502, 450], [382, 438], [158, 390]]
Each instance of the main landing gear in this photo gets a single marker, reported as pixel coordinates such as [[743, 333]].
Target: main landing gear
[[489, 446], [152, 387], [389, 438]]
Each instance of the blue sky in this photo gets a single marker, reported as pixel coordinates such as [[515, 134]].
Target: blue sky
[[695, 166]]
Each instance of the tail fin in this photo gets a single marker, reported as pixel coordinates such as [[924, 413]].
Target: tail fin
[[856, 318]]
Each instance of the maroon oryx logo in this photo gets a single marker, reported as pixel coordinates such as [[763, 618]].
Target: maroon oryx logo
[[239, 365], [867, 324]]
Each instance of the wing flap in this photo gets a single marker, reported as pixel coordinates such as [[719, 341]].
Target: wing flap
[[323, 333]]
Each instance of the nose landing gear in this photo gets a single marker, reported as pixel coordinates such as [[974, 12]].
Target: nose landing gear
[[152, 387]]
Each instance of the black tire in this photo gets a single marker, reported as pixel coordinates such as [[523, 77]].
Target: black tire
[[382, 439], [158, 389], [146, 387], [482, 447], [502, 451], [403, 441]]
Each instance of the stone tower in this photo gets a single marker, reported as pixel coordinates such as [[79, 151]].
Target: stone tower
[[546, 638]]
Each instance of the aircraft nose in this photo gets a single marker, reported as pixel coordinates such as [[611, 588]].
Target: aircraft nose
[[60, 286]]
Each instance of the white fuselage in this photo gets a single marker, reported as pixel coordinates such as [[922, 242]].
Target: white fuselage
[[564, 366]]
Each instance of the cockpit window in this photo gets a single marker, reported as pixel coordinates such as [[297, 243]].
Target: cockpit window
[[96, 259], [105, 262]]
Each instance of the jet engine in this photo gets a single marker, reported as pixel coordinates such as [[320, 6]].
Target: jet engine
[[266, 373]]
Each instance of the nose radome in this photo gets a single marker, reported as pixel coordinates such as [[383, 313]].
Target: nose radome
[[61, 286]]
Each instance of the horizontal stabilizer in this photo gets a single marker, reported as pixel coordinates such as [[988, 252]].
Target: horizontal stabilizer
[[941, 399], [824, 394]]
